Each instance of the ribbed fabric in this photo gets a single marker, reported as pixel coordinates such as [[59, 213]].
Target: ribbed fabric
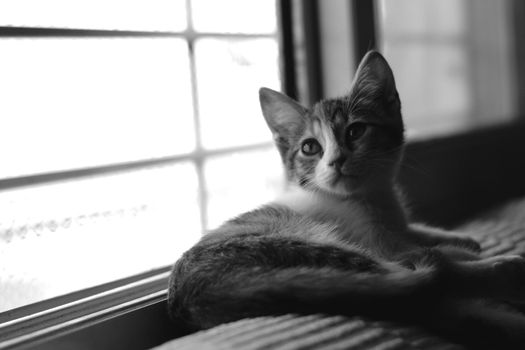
[[501, 231], [292, 332]]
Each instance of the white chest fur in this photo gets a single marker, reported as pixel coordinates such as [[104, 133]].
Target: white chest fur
[[373, 225], [349, 218]]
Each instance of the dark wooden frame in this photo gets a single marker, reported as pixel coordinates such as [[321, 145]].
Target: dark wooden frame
[[518, 13], [300, 45], [363, 14]]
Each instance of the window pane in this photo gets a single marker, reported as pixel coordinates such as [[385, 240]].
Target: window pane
[[163, 15], [239, 182], [73, 103], [426, 17], [229, 75], [453, 62], [433, 85], [430, 62], [105, 228], [234, 16]]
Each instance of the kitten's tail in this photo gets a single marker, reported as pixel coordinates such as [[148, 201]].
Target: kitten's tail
[[210, 288], [253, 292], [406, 298]]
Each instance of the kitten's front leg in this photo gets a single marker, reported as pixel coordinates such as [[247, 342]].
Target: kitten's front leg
[[431, 236], [502, 277]]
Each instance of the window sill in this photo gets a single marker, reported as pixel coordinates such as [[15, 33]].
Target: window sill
[[131, 316]]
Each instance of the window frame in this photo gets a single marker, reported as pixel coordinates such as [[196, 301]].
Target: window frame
[[64, 314]]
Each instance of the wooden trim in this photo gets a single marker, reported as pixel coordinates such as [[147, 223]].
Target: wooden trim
[[53, 303], [286, 43], [310, 14], [139, 324], [306, 51], [517, 15], [83, 313], [364, 27]]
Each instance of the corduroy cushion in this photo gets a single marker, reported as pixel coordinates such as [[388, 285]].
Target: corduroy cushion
[[501, 231]]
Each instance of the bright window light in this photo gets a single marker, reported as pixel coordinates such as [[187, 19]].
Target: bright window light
[[234, 16], [119, 149], [76, 103], [161, 15], [228, 97]]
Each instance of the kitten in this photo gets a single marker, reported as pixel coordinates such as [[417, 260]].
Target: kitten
[[339, 240]]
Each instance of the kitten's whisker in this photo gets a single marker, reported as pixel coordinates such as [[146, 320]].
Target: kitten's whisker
[[406, 163]]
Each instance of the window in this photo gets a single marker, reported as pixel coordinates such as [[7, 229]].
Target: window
[[453, 61], [128, 127]]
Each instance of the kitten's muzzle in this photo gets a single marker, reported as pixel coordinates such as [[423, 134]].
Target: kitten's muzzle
[[339, 164]]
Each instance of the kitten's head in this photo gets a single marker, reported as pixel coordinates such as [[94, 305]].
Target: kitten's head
[[345, 145]]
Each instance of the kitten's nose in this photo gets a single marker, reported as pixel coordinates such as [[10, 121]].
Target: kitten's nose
[[337, 162]]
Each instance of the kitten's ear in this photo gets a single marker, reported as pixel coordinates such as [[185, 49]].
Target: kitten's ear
[[284, 116], [375, 78]]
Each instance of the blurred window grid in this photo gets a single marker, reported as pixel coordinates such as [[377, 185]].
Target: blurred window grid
[[430, 60], [452, 60], [156, 106]]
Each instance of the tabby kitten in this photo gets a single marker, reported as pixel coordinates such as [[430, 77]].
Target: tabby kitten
[[339, 242]]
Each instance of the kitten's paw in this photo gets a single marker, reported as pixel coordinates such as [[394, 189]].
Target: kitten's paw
[[509, 273], [508, 265]]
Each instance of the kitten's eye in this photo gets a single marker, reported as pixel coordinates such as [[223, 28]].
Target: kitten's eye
[[355, 131], [310, 147]]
